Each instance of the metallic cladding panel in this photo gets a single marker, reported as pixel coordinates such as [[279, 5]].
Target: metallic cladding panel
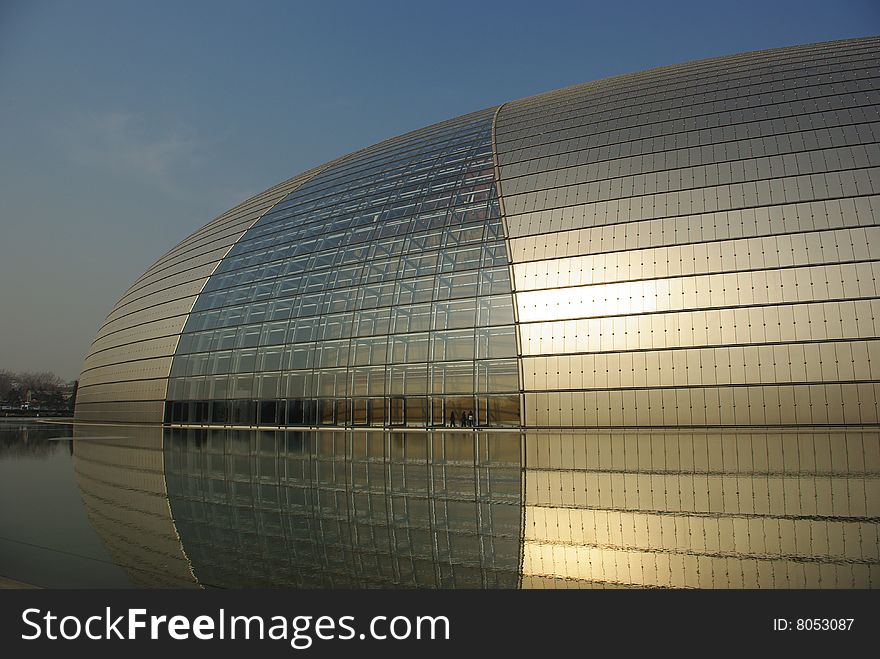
[[698, 244], [130, 359], [128, 390], [161, 311], [125, 412]]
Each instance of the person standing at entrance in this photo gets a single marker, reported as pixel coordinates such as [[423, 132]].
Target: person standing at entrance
[[452, 418]]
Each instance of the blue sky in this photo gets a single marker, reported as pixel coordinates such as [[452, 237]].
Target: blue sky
[[126, 125]]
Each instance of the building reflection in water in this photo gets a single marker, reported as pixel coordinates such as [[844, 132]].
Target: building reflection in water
[[334, 509], [120, 471], [347, 509], [710, 510]]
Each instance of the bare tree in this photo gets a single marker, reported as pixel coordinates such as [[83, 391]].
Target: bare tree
[[42, 389], [6, 380]]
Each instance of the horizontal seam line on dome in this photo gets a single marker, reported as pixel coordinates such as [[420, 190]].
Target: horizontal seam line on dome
[[571, 101], [141, 324], [639, 313], [719, 185], [583, 115], [536, 430], [237, 214], [117, 383], [217, 244], [587, 98], [159, 291], [680, 150], [759, 305], [708, 145], [678, 168], [708, 273], [123, 401], [687, 243], [513, 197], [130, 343], [779, 343], [559, 136], [139, 360], [675, 74], [680, 76], [172, 301], [570, 140], [675, 582], [751, 556], [169, 286], [657, 471], [723, 385], [134, 327], [820, 200]]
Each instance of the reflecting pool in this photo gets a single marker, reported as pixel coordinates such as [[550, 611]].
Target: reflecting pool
[[237, 508], [46, 538]]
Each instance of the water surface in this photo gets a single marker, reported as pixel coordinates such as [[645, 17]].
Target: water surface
[[229, 508], [46, 538]]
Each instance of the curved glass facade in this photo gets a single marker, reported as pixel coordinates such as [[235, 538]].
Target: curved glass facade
[[695, 245], [378, 293]]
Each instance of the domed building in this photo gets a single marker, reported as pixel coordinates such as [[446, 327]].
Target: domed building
[[695, 245]]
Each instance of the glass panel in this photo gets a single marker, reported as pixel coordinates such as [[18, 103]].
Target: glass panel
[[361, 277]]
